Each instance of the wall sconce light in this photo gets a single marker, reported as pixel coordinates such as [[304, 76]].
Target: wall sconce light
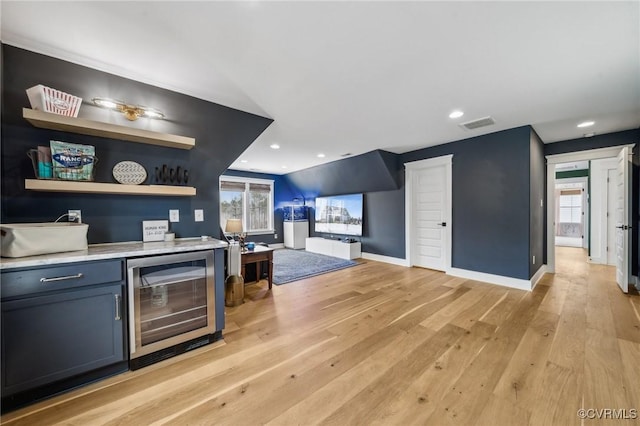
[[131, 112]]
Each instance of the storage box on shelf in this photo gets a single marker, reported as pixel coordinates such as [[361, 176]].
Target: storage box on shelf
[[47, 99]]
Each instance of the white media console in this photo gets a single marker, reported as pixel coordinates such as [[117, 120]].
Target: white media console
[[335, 248]]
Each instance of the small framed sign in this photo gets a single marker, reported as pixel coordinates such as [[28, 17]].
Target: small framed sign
[[154, 230]]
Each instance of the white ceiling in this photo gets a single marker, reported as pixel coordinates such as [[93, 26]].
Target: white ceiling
[[351, 77]]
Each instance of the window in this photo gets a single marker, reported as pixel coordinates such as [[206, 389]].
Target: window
[[571, 206], [248, 199]]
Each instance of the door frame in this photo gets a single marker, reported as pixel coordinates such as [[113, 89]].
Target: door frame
[[552, 160], [410, 169]]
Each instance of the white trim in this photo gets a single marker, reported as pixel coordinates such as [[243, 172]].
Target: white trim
[[443, 160], [247, 181], [242, 179], [516, 283], [385, 259], [538, 276], [276, 245], [552, 160], [410, 168]]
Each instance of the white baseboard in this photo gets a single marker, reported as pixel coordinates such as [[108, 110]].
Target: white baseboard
[[499, 279], [276, 245], [538, 276], [385, 259]]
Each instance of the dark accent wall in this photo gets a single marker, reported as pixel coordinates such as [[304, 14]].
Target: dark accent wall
[[373, 171], [599, 141], [221, 134], [537, 194], [626, 137], [283, 195], [491, 201]]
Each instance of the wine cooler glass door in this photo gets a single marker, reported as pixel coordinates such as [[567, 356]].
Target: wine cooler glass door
[[172, 301]]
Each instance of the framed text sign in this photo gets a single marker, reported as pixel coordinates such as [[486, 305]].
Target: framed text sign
[[154, 230]]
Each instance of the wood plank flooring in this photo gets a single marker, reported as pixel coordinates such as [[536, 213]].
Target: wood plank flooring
[[379, 344]]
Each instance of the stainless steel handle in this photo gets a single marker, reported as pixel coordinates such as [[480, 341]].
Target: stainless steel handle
[[67, 277], [118, 307]]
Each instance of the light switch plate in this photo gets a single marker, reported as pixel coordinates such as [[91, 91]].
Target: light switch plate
[[198, 214], [174, 215]]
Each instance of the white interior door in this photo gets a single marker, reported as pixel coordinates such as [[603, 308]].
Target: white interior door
[[612, 188], [622, 220], [429, 193]]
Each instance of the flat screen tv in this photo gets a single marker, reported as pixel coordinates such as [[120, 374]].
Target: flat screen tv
[[339, 214]]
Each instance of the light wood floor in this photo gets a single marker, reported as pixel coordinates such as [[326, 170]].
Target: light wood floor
[[379, 344]]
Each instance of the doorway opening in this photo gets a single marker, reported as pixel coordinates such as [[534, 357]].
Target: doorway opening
[[594, 210], [572, 218]]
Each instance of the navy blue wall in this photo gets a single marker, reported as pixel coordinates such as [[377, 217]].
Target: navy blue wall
[[221, 133], [491, 202], [373, 171]]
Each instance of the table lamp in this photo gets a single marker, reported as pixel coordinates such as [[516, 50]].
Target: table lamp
[[234, 227]]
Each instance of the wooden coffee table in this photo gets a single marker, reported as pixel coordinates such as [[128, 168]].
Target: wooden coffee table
[[257, 256]]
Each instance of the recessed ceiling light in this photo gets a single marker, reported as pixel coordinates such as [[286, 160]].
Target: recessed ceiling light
[[274, 146], [284, 167], [244, 161], [321, 155], [456, 114], [586, 124], [588, 135]]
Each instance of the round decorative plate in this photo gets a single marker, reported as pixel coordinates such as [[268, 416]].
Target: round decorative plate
[[129, 173]]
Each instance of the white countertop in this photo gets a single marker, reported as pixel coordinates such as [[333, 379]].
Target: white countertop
[[114, 251]]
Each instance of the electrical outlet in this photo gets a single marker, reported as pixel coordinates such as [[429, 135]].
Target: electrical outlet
[[198, 215], [275, 236], [75, 216], [174, 215], [534, 260]]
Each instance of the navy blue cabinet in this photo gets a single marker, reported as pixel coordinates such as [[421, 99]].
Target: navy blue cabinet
[[62, 326]]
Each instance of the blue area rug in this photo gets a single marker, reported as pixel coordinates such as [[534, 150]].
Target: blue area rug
[[293, 265]]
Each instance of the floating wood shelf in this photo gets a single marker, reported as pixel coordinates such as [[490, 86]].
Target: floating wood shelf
[[107, 188], [45, 120]]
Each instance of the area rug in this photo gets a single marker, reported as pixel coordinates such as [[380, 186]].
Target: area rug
[[293, 265]]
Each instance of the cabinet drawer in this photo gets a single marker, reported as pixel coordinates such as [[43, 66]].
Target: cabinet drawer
[[53, 278]]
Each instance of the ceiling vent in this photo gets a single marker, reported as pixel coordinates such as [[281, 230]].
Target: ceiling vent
[[481, 122]]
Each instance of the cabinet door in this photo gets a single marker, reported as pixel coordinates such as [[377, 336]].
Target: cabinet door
[[53, 337]]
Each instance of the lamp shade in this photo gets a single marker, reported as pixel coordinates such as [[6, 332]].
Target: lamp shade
[[233, 226]]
